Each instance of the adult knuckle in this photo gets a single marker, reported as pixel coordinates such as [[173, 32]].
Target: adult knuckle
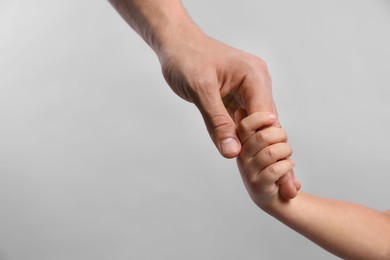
[[203, 82], [260, 65], [258, 72], [221, 121]]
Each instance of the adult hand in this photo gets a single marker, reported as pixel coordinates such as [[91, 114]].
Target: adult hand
[[219, 80]]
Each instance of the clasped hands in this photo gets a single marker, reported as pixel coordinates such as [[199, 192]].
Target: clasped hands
[[225, 83]]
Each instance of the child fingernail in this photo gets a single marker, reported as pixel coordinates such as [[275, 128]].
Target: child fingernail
[[271, 116]]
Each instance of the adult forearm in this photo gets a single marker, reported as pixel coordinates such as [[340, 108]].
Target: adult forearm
[[158, 22], [348, 230]]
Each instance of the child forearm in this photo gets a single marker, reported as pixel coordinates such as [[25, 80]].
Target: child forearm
[[348, 230]]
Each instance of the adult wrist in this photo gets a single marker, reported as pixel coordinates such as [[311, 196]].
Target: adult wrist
[[160, 23], [182, 33]]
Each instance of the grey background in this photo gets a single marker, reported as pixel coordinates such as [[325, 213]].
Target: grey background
[[100, 160]]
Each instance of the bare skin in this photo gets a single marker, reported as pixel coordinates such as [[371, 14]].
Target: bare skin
[[217, 78], [348, 230]]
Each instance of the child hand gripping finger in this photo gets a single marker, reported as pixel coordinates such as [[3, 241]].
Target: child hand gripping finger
[[264, 157], [348, 230]]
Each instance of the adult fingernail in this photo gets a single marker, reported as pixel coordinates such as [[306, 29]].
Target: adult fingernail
[[229, 146]]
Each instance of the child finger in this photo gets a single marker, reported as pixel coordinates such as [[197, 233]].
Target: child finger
[[262, 139], [253, 122], [287, 187], [239, 115], [272, 154], [274, 172], [297, 183]]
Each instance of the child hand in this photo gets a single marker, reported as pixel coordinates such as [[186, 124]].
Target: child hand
[[264, 157]]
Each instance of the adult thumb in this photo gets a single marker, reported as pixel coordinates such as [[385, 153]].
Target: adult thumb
[[219, 123]]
